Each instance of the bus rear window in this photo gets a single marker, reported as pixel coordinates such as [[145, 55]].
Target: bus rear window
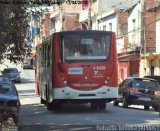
[[86, 47]]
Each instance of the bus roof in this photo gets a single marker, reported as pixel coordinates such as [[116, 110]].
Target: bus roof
[[76, 32], [84, 31]]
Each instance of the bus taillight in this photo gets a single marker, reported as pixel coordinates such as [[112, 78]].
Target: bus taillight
[[63, 79], [107, 79]]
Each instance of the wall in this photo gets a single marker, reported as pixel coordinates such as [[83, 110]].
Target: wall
[[104, 22], [158, 31], [134, 35], [149, 24], [70, 17], [45, 24], [70, 22], [122, 18]]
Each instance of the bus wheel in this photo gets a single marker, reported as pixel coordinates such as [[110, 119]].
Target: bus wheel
[[125, 102], [49, 106], [94, 105], [43, 101], [56, 106], [115, 103], [102, 105]]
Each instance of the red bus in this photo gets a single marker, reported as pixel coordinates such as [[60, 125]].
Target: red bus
[[77, 66]]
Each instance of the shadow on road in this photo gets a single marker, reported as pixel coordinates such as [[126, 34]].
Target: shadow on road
[[36, 117], [26, 92], [24, 81], [56, 127], [137, 108], [78, 108]]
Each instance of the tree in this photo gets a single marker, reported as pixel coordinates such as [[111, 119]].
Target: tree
[[13, 29], [14, 26]]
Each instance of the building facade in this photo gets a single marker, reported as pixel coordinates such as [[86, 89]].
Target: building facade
[[135, 30], [65, 17], [135, 22], [149, 62], [152, 59]]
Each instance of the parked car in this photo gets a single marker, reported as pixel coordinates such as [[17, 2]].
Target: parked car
[[27, 63], [12, 73], [4, 79], [139, 91], [9, 102], [156, 77]]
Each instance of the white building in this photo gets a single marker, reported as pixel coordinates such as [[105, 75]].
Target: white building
[[135, 26]]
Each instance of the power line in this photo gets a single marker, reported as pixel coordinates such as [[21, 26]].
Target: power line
[[141, 28]]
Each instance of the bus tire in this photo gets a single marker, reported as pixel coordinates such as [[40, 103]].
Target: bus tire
[[47, 95], [124, 102], [43, 101], [102, 105], [56, 106], [49, 106], [115, 103], [94, 105]]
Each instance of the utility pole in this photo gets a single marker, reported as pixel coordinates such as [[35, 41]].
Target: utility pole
[[143, 60], [61, 17], [143, 42], [89, 15]]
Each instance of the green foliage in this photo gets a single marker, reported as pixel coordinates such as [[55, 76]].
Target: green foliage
[[14, 25], [13, 29]]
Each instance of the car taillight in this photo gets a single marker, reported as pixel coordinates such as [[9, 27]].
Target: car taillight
[[157, 93], [133, 90]]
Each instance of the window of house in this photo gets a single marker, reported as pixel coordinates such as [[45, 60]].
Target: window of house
[[52, 24], [110, 26], [134, 24], [104, 27]]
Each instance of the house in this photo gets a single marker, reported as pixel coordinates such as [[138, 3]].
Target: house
[[149, 64], [141, 39], [65, 17], [136, 28], [135, 32], [153, 59], [112, 16], [88, 14]]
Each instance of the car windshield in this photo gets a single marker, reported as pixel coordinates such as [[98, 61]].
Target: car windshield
[[145, 83], [12, 70], [8, 89]]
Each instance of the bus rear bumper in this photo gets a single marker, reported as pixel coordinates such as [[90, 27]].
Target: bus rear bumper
[[68, 93]]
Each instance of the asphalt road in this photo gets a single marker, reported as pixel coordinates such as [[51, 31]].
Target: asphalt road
[[35, 116]]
